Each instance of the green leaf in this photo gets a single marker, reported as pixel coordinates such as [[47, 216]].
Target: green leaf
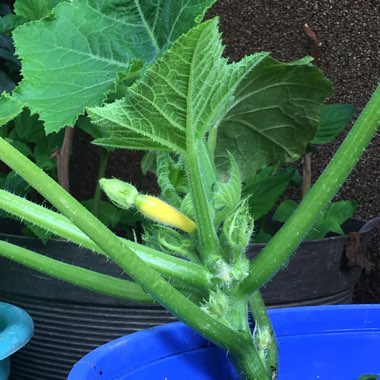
[[93, 130], [35, 231], [34, 9], [72, 60], [28, 128], [265, 188], [228, 193], [274, 115], [285, 210], [15, 184], [332, 220], [369, 377], [6, 82], [10, 22], [9, 108], [177, 99], [171, 178], [21, 147], [45, 148], [334, 118]]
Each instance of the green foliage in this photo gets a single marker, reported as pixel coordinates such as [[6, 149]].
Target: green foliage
[[265, 188], [274, 115], [369, 377], [26, 133], [333, 119], [190, 105], [330, 221], [72, 59], [31, 10], [182, 92]]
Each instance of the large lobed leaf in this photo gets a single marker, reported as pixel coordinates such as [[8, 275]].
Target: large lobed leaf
[[266, 111], [274, 115], [72, 59], [180, 97]]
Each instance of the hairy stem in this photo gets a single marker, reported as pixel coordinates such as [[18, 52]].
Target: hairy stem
[[277, 252], [151, 282], [170, 267], [263, 335], [199, 172], [84, 278]]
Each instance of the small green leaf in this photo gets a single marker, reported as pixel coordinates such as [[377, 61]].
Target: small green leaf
[[16, 185], [227, 193], [35, 231], [332, 220], [10, 22], [21, 147], [285, 210], [32, 10], [334, 118], [28, 128], [9, 108], [45, 148], [265, 188], [6, 82]]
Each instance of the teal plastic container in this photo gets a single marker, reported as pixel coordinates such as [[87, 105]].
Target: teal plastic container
[[315, 343], [16, 328]]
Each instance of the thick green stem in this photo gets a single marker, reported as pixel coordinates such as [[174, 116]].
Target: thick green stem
[[199, 173], [263, 335], [151, 282], [101, 174], [84, 278], [170, 267], [249, 365], [278, 251]]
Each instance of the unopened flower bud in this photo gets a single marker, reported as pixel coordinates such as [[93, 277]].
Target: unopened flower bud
[[120, 193]]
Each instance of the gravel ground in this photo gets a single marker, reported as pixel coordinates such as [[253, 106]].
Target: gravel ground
[[349, 55]]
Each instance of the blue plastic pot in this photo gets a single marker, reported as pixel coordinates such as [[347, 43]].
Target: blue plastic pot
[[16, 328], [322, 342]]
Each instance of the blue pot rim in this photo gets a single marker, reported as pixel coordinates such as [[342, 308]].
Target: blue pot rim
[[17, 329], [295, 321]]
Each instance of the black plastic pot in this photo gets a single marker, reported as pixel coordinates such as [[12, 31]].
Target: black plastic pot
[[321, 272], [70, 321]]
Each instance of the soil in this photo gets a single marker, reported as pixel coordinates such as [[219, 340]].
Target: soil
[[349, 55]]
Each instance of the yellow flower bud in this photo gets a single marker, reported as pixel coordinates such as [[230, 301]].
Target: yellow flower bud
[[125, 195], [159, 211]]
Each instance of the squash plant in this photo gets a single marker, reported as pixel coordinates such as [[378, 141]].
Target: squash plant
[[194, 264]]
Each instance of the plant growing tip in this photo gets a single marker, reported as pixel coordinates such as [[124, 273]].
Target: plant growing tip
[[125, 195]]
